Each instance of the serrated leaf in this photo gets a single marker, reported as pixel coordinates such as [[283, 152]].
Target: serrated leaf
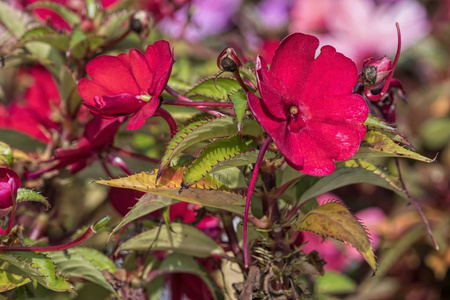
[[377, 123], [207, 90], [69, 16], [207, 192], [112, 27], [379, 144], [335, 220], [178, 263], [203, 130], [240, 105], [147, 204], [40, 268], [180, 238], [351, 172], [9, 281], [84, 263], [6, 154], [29, 195]]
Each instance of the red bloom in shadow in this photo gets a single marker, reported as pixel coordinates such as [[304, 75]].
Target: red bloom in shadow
[[129, 84], [32, 115], [307, 104], [97, 137]]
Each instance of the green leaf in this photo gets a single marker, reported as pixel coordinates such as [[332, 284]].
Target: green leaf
[[180, 238], [381, 144], [77, 43], [29, 195], [40, 268], [91, 8], [9, 281], [178, 263], [203, 130], [240, 106], [333, 282], [69, 16], [147, 204], [6, 154], [84, 263], [351, 172], [56, 40], [112, 28], [207, 192], [335, 220], [14, 20], [377, 123], [207, 90], [35, 33], [212, 155]]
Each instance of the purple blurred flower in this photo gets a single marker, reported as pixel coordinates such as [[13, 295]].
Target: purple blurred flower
[[361, 28], [208, 18], [274, 14]]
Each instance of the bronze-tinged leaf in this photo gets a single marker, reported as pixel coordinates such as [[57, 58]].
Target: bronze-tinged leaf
[[206, 192], [335, 220]]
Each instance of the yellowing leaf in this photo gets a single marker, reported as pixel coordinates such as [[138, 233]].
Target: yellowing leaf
[[206, 192], [335, 220], [9, 281]]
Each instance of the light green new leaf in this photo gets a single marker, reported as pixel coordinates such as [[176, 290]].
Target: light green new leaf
[[240, 106], [203, 130], [335, 220], [147, 204], [84, 263], [9, 281], [207, 90], [40, 268], [206, 192], [69, 16], [29, 195], [180, 238], [6, 154]]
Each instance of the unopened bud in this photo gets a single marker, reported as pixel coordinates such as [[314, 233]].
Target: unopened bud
[[375, 71], [228, 60], [139, 21]]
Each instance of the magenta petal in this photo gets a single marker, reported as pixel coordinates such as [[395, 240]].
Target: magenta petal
[[89, 89], [111, 72], [143, 114], [121, 104], [160, 60], [141, 70], [292, 60]]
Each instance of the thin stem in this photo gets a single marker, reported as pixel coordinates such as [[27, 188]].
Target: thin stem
[[161, 112], [231, 234], [380, 95], [106, 169], [182, 98], [135, 155], [241, 82], [262, 151], [197, 103], [416, 204], [87, 234], [119, 162]]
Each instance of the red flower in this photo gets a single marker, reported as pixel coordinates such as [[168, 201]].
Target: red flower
[[127, 84], [9, 184], [307, 104]]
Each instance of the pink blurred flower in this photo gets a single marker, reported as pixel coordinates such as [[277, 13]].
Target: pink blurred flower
[[361, 28]]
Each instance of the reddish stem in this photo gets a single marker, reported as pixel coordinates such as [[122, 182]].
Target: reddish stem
[[198, 103], [119, 162], [135, 155], [241, 82], [161, 112], [261, 153], [380, 95]]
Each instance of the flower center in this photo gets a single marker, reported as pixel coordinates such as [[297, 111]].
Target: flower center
[[293, 110], [296, 122], [144, 98]]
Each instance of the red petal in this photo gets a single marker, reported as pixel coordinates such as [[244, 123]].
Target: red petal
[[160, 61], [119, 105], [293, 59], [88, 89], [141, 70], [143, 114], [111, 73]]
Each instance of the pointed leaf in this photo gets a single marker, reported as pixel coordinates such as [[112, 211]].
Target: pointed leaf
[[6, 154], [40, 268], [350, 172], [84, 263], [69, 16], [206, 89], [9, 281], [207, 192], [29, 195], [147, 204], [377, 123], [180, 238], [14, 20], [203, 130], [240, 105], [112, 28], [335, 220]]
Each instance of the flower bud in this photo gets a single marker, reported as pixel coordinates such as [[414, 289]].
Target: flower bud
[[228, 60], [139, 21], [375, 71], [9, 183]]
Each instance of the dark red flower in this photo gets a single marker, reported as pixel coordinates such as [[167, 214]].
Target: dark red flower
[[97, 137], [127, 84], [307, 104], [33, 112], [9, 184]]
